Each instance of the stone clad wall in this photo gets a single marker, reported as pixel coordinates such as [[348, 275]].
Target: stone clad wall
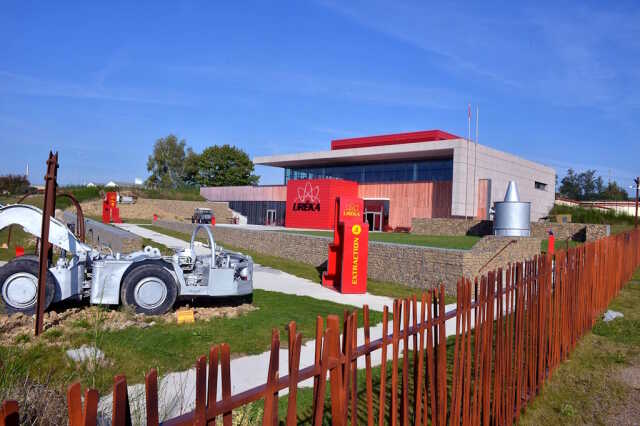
[[303, 248], [414, 266], [450, 226], [493, 252], [461, 226], [573, 231]]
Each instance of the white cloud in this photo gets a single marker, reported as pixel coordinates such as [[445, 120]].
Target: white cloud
[[20, 84], [567, 56]]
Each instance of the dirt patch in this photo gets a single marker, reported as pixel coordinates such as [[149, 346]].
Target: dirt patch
[[18, 328], [631, 375], [628, 412]]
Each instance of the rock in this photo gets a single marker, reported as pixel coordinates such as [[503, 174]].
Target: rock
[[611, 315], [53, 317], [127, 324], [84, 353]]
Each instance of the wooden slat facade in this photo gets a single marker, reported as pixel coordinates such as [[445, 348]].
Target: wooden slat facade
[[406, 200], [409, 200], [484, 198]]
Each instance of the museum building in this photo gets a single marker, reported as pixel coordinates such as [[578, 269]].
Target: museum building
[[425, 174]]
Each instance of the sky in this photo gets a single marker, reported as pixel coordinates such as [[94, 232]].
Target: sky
[[556, 83]]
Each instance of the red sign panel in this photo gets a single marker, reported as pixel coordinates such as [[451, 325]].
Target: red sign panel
[[347, 262], [311, 202]]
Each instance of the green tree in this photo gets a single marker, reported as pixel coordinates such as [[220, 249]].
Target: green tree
[[191, 168], [225, 166], [14, 184], [570, 185], [587, 186], [615, 192], [167, 163]]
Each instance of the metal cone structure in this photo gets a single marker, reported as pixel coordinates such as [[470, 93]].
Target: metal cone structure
[[512, 193], [512, 216]]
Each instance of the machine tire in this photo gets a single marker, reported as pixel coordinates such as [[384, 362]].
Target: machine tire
[[27, 271], [247, 298], [155, 278]]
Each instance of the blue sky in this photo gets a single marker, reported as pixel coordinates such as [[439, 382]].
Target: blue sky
[[557, 83]]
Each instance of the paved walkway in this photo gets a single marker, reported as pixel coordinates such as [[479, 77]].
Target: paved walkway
[[177, 390]]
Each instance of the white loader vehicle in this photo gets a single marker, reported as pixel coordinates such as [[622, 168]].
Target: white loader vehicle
[[145, 280]]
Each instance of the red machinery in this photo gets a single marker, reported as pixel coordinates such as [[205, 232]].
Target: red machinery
[[347, 264], [110, 211]]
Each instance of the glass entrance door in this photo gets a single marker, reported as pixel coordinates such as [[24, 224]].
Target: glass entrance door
[[374, 219], [271, 217]]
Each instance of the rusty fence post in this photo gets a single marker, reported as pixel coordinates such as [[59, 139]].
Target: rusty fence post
[[45, 246]]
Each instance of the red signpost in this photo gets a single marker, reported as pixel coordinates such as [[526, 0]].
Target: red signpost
[[347, 264]]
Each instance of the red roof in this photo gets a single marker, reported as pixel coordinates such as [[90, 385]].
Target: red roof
[[393, 139]]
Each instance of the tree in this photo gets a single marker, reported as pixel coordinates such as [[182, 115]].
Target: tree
[[570, 185], [613, 191], [225, 166], [588, 186], [167, 163], [191, 168], [14, 184]]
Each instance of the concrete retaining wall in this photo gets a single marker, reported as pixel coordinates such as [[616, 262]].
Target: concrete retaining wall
[[99, 234], [460, 226], [414, 266]]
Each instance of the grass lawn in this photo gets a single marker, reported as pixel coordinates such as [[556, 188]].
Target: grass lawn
[[464, 242], [593, 386], [18, 238], [304, 270], [166, 346], [618, 228], [560, 244], [124, 219]]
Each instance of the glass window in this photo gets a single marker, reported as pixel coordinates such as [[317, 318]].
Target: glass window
[[404, 171]]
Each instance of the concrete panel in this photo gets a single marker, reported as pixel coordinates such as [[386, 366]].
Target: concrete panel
[[500, 168]]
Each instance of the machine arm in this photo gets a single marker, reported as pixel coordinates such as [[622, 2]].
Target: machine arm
[[30, 218]]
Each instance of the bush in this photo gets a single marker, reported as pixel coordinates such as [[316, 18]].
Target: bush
[[188, 193], [14, 184], [82, 194], [583, 215]]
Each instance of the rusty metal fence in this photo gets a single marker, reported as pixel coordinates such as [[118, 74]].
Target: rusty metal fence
[[513, 327]]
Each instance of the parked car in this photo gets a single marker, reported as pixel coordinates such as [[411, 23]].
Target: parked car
[[201, 215]]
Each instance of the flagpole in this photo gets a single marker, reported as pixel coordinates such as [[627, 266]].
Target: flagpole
[[475, 164], [466, 183]]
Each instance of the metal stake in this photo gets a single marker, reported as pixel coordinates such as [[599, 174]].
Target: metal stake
[[45, 247]]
